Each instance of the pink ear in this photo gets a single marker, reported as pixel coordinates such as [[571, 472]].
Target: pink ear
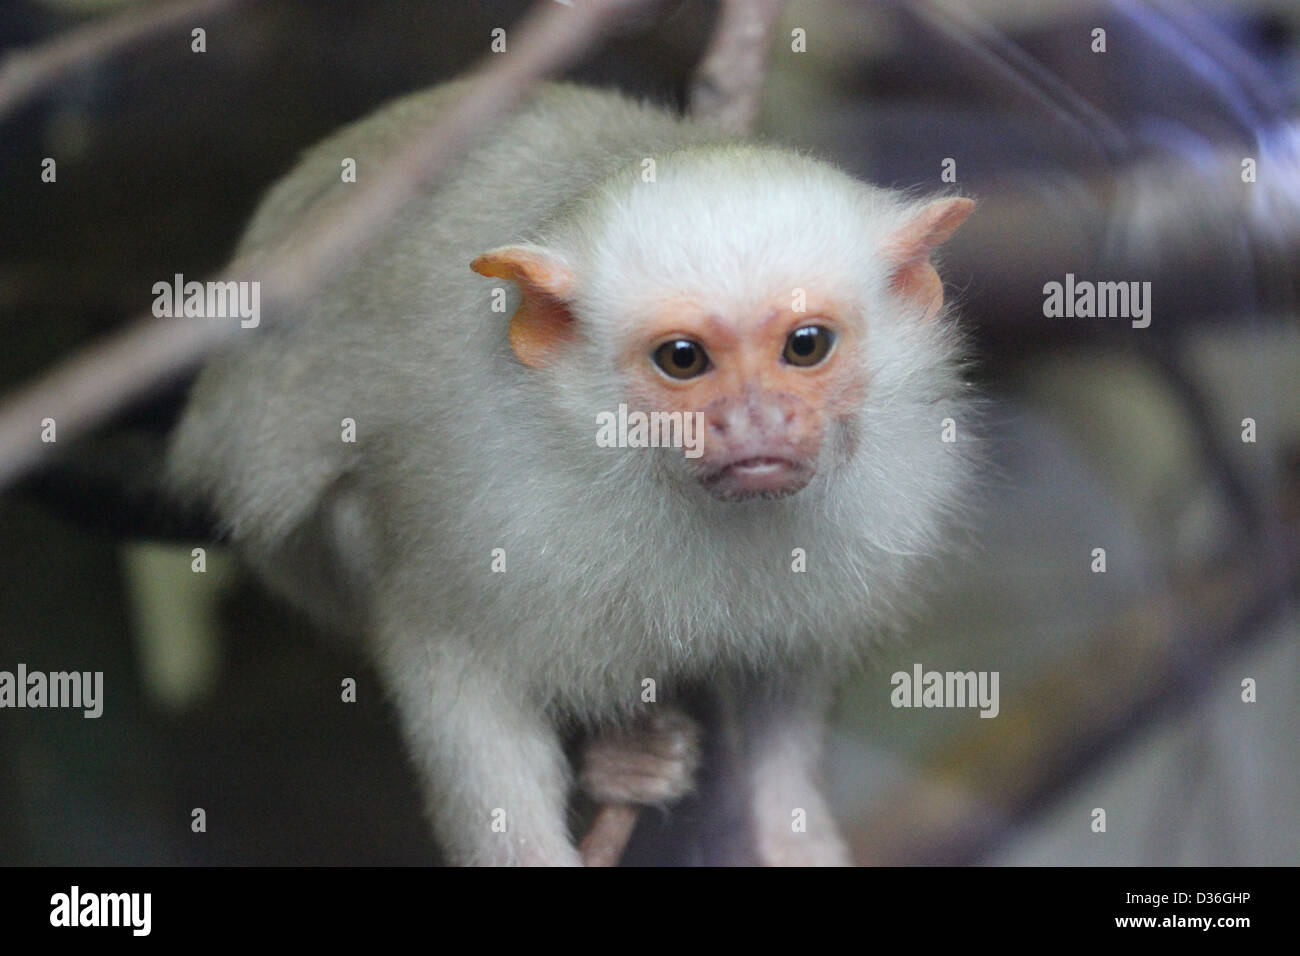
[[543, 324], [908, 249]]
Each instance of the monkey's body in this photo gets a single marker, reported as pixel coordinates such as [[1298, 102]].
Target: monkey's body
[[470, 457]]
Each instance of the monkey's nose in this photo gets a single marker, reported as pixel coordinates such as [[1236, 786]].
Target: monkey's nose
[[740, 422]]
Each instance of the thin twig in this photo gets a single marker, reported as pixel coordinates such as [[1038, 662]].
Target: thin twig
[[108, 376], [729, 81], [25, 73]]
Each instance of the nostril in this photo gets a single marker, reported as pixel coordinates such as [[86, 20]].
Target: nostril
[[717, 427], [789, 418]]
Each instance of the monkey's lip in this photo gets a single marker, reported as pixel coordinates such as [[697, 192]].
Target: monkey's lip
[[760, 465], [767, 476]]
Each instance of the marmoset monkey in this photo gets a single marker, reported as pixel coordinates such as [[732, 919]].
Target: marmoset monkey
[[416, 455]]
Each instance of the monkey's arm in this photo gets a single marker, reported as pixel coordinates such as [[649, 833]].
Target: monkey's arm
[[780, 732], [492, 768]]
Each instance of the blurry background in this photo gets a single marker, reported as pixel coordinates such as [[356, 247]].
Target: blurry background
[[1119, 690]]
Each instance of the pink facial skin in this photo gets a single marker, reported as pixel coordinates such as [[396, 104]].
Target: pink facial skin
[[765, 417]]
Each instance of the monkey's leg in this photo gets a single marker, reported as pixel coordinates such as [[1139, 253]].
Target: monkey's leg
[[782, 730], [650, 763], [491, 765]]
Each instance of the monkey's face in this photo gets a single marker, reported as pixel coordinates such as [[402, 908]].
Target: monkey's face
[[699, 316], [767, 384]]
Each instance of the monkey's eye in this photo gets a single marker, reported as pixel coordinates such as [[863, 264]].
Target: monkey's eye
[[681, 358], [808, 345]]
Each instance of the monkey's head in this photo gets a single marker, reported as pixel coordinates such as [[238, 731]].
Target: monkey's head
[[760, 295]]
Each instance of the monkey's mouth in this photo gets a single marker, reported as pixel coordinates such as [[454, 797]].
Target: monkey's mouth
[[762, 476]]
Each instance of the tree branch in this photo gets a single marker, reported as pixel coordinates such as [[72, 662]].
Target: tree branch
[[729, 81], [25, 73]]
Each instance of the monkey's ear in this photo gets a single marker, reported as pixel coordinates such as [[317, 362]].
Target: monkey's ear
[[543, 323], [909, 248]]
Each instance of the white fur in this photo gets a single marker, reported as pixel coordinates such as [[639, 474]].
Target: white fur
[[619, 567]]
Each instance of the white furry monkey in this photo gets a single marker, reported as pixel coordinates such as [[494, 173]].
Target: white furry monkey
[[421, 455]]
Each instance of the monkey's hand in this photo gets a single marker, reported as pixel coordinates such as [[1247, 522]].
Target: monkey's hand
[[649, 763]]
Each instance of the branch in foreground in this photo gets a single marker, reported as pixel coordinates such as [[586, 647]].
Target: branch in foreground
[[25, 73]]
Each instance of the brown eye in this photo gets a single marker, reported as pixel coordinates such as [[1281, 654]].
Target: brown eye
[[808, 345], [681, 358]]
